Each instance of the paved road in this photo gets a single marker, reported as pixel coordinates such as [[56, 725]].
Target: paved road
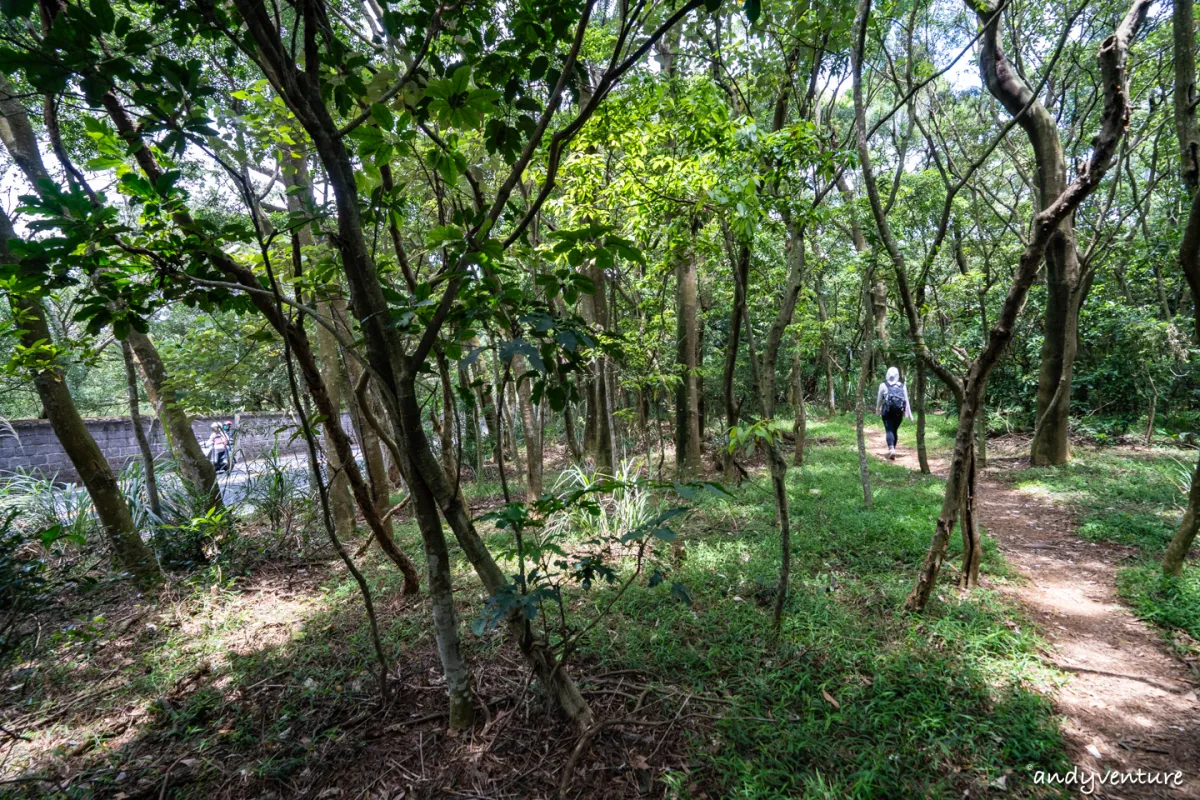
[[238, 485]]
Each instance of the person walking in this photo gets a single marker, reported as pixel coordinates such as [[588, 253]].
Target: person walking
[[891, 404]]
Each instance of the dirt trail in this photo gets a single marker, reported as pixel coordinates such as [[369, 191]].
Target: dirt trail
[[1129, 704]]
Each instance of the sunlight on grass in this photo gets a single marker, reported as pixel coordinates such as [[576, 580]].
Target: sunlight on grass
[[926, 706]]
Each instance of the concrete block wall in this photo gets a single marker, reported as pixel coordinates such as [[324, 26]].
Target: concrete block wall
[[35, 447]]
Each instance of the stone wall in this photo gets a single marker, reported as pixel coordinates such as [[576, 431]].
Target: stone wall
[[35, 447]]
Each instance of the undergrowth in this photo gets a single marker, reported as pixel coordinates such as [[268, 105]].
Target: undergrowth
[[255, 682]]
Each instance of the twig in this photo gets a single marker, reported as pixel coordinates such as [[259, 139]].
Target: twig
[[162, 793], [19, 736]]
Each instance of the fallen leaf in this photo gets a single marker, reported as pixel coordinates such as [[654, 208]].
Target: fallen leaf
[[829, 698]]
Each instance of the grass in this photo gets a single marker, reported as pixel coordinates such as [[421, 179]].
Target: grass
[[855, 700], [1135, 499], [251, 683]]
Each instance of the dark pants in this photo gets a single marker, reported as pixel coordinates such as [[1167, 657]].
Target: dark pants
[[891, 424]]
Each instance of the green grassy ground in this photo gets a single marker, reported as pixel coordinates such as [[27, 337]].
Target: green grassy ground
[[921, 707], [855, 699], [1133, 498]]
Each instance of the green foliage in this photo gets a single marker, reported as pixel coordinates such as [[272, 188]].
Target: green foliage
[[1130, 499], [928, 707], [1171, 603], [23, 585]]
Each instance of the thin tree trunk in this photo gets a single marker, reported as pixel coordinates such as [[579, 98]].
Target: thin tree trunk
[[981, 434], [687, 409], [370, 445], [437, 555], [864, 374], [476, 430], [135, 417], [1184, 33], [193, 466], [533, 439], [509, 410], [800, 425], [922, 389], [449, 434], [130, 552], [294, 170], [569, 431], [732, 407], [483, 391], [826, 355], [972, 544]]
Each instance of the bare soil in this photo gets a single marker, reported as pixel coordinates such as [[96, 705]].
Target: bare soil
[[1129, 703]]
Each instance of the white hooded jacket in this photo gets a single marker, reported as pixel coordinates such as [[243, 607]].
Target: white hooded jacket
[[893, 377]]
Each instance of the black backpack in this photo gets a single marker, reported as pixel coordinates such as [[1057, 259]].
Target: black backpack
[[894, 402]]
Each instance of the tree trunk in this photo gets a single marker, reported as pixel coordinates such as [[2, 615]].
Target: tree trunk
[[600, 411], [569, 432], [476, 432], [1185, 534], [1045, 228], [437, 554], [294, 170], [533, 438], [740, 280], [1050, 445], [130, 552], [687, 409], [826, 355], [510, 423], [193, 466], [612, 394], [864, 376], [981, 434], [1183, 27], [800, 425], [972, 544], [922, 389], [1065, 278], [450, 434], [135, 417], [362, 409], [764, 375], [483, 391]]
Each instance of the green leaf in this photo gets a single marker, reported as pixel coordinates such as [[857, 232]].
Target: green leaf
[[383, 115], [16, 9], [538, 68], [103, 13], [138, 42], [753, 9], [664, 533], [443, 234]]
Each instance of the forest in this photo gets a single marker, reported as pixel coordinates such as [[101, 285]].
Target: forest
[[599, 399]]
